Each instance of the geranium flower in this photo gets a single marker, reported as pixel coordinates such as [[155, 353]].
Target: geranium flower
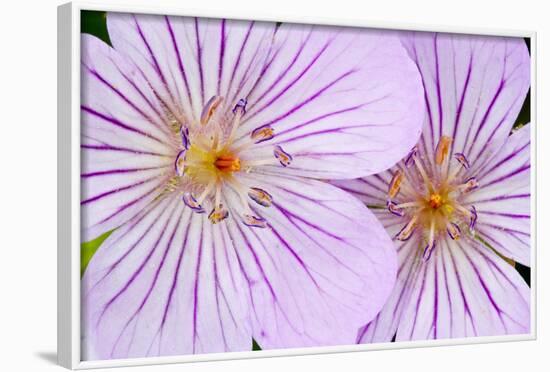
[[201, 143], [459, 204]]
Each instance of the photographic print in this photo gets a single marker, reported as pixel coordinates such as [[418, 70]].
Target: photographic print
[[251, 185]]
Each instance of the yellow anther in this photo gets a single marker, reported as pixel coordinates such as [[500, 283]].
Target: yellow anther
[[407, 231], [210, 108], [262, 134], [442, 150], [395, 183], [218, 214], [260, 196]]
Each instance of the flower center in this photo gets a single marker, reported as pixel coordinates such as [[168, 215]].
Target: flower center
[[435, 201], [431, 199], [211, 161]]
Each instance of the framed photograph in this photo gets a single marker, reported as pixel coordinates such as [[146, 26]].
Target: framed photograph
[[235, 187]]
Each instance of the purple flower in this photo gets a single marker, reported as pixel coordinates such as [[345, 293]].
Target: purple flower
[[462, 196], [201, 140]]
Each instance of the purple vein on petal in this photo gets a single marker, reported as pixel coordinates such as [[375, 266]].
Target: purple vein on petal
[[120, 171], [127, 205], [113, 266], [118, 123], [256, 259], [482, 172], [143, 263], [295, 80], [199, 59], [176, 275], [140, 92], [438, 86], [124, 188], [311, 98], [119, 149], [178, 57], [462, 294], [239, 56], [484, 286], [462, 97], [221, 56], [509, 175], [264, 275], [321, 117], [417, 305], [282, 74], [135, 275], [449, 299], [106, 83], [494, 131], [320, 246], [196, 286]]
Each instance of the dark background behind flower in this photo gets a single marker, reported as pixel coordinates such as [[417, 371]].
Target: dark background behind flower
[[93, 22]]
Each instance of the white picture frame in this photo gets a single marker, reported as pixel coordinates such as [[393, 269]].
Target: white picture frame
[[69, 337]]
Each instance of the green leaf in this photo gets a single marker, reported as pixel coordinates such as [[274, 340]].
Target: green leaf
[[95, 23], [255, 346], [88, 249]]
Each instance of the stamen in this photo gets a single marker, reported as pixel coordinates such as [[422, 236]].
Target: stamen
[[442, 149], [407, 230], [470, 184], [253, 221], [262, 134], [423, 173], [218, 214], [410, 158], [218, 196], [431, 243], [473, 218], [409, 205], [240, 106], [462, 160], [453, 230], [184, 134], [207, 190], [210, 108], [428, 251], [179, 164], [284, 158], [192, 203], [239, 110], [394, 209], [260, 196], [395, 183]]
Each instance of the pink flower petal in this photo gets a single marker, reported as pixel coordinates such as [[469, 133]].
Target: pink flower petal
[[384, 327], [322, 266], [124, 140], [372, 190], [464, 290], [189, 60], [344, 102], [503, 199], [475, 87], [165, 283]]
